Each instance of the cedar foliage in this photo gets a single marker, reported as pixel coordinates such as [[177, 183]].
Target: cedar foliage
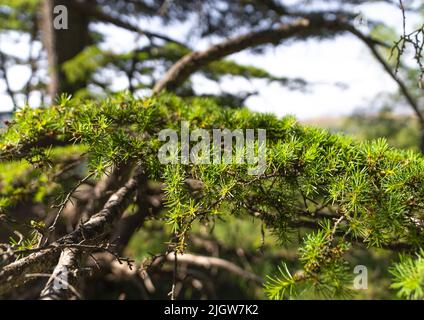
[[348, 193]]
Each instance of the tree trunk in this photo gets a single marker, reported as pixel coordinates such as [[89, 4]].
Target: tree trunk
[[63, 44], [422, 138]]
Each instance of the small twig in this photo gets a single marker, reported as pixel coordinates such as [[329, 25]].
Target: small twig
[[403, 88], [62, 205], [81, 246], [336, 224], [412, 38]]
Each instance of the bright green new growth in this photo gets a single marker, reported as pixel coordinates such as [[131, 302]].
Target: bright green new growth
[[409, 277], [348, 193]]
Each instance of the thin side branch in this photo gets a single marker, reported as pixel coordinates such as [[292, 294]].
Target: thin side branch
[[404, 90], [209, 262], [104, 17]]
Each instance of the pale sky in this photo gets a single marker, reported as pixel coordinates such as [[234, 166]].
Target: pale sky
[[341, 60]]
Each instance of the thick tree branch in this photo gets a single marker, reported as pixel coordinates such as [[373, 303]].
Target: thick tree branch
[[113, 180], [209, 262], [60, 285], [310, 25], [192, 62], [96, 228], [24, 148]]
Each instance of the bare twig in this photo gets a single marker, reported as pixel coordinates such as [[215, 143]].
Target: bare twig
[[62, 205], [414, 38], [104, 17], [174, 277]]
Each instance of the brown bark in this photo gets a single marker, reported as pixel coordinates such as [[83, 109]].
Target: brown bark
[[63, 45], [96, 228], [60, 285]]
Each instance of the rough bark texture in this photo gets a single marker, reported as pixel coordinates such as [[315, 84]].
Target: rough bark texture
[[99, 225], [112, 181], [60, 285], [19, 272]]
